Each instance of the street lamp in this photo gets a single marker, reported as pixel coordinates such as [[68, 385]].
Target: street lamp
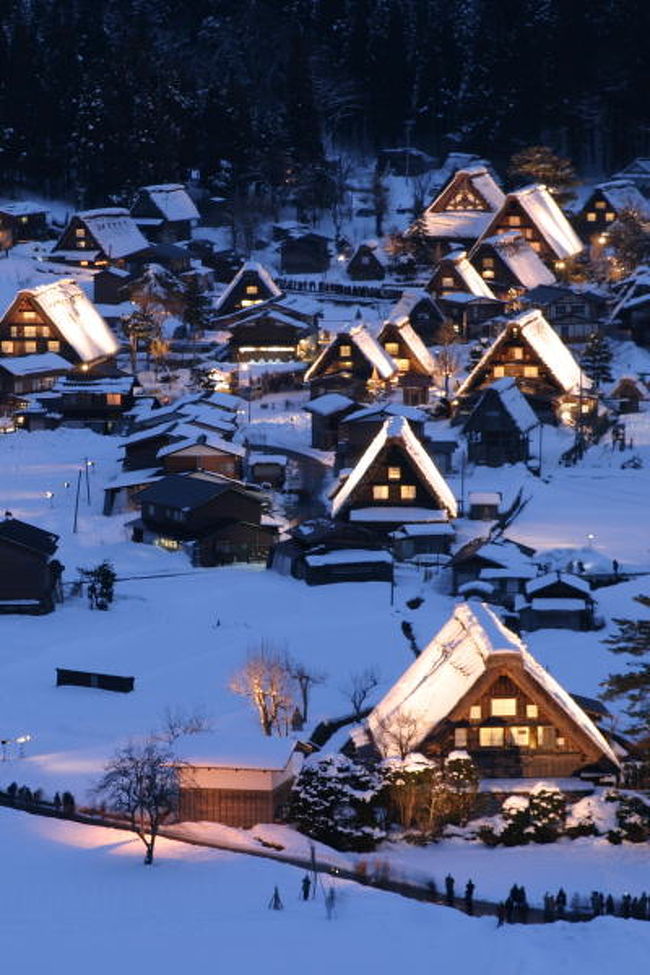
[[50, 496]]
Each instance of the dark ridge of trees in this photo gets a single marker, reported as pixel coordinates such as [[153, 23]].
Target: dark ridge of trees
[[99, 95]]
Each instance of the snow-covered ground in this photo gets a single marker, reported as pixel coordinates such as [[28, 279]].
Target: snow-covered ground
[[79, 896]]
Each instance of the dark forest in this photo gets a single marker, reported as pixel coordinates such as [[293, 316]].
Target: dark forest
[[98, 96]]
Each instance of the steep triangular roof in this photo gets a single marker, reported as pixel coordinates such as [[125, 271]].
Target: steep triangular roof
[[413, 341], [172, 200], [545, 214], [622, 195], [369, 347], [447, 669], [396, 431], [514, 403], [483, 185], [115, 231], [75, 317], [406, 303], [469, 276], [260, 271], [520, 258], [545, 343]]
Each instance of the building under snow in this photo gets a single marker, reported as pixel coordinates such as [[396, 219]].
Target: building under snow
[[476, 687]]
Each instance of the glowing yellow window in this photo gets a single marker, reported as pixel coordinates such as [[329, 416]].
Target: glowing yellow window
[[488, 262], [475, 712], [499, 372], [532, 711], [488, 273], [609, 216], [591, 217], [407, 492], [517, 352], [514, 221], [80, 233], [503, 707], [394, 473], [520, 737], [403, 365], [460, 738], [600, 205], [53, 346], [392, 348], [114, 399], [531, 372], [448, 283], [29, 331], [251, 289], [7, 347], [30, 347], [380, 492], [491, 737], [345, 351]]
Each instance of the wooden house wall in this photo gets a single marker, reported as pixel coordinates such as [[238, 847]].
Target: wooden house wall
[[25, 329], [425, 320], [229, 504], [334, 363], [512, 216], [378, 475], [515, 358], [239, 294], [143, 453], [445, 279], [220, 463], [596, 217], [69, 241], [544, 757], [492, 436], [32, 383], [495, 272], [392, 340], [240, 541], [233, 807], [24, 574]]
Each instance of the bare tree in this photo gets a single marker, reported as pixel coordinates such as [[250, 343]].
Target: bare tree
[[176, 723], [265, 681], [305, 679], [401, 734], [359, 687], [141, 780]]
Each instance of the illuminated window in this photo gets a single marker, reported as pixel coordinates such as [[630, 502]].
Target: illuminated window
[[499, 372], [560, 742], [392, 348], [517, 352], [7, 347], [546, 736], [491, 737], [171, 544], [535, 244], [503, 707], [407, 492], [53, 346], [403, 365], [475, 712], [251, 289], [113, 399], [448, 283], [394, 473], [28, 314], [531, 372], [488, 274], [29, 347], [514, 220], [29, 331], [460, 738], [532, 711], [591, 217], [345, 351], [609, 216], [80, 233], [488, 262], [520, 737], [600, 205], [24, 219], [380, 492]]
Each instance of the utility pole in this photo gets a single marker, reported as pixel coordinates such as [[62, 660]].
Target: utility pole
[[76, 501]]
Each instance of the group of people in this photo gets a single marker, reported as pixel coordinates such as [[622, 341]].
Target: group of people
[[629, 907]]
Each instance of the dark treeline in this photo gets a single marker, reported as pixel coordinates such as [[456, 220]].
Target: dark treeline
[[99, 95]]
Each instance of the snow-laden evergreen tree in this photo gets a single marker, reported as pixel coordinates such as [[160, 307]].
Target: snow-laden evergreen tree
[[334, 801], [632, 686], [539, 164], [596, 359], [198, 310]]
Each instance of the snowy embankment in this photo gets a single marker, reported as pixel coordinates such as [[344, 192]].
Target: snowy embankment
[[92, 903]]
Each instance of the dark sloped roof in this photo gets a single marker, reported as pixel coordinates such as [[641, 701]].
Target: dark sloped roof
[[180, 491], [28, 536]]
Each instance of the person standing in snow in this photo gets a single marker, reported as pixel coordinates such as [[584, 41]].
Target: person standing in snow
[[305, 887], [469, 897], [330, 903], [449, 889], [275, 904]]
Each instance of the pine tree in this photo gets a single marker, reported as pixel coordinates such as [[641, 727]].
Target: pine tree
[[596, 359], [539, 164], [633, 685], [629, 239], [198, 310]]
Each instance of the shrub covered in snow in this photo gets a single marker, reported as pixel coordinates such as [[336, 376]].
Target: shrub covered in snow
[[334, 800]]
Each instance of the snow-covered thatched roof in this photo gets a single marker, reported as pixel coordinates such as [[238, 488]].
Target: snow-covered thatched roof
[[514, 403], [173, 201], [446, 670], [66, 306], [115, 231], [396, 430], [623, 195], [257, 269], [482, 183], [381, 362], [29, 365], [520, 258], [552, 224], [413, 342], [406, 303], [545, 343], [456, 224], [474, 283]]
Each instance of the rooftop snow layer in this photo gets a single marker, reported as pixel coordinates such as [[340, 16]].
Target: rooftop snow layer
[[76, 318], [26, 365], [115, 231], [520, 259], [173, 201]]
